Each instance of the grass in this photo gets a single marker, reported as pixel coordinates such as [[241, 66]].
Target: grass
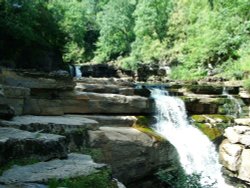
[[100, 179], [20, 162]]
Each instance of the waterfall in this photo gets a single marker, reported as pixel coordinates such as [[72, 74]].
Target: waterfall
[[237, 110], [78, 72], [196, 152]]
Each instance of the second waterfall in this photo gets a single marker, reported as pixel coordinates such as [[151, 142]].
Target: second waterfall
[[196, 152]]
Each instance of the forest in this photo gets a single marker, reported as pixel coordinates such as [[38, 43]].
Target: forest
[[195, 38]]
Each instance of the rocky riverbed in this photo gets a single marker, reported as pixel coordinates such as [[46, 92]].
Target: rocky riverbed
[[57, 121]]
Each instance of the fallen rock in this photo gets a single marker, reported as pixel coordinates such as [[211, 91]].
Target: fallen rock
[[132, 154], [75, 166], [17, 144]]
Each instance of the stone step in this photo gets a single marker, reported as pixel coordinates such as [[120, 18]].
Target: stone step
[[18, 144], [106, 81], [73, 127], [113, 121], [114, 89], [89, 103], [75, 166]]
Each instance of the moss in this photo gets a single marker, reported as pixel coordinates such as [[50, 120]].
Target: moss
[[211, 132], [216, 117], [95, 153], [143, 121], [20, 162], [150, 132], [101, 179]]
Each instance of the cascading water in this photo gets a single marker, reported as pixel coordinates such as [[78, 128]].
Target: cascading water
[[78, 72], [237, 110], [197, 154]]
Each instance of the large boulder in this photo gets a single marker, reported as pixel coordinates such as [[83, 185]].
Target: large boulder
[[132, 154], [17, 144]]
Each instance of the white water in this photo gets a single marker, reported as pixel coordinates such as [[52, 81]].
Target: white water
[[78, 71], [197, 154], [237, 108]]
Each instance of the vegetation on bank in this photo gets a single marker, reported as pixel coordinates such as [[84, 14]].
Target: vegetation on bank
[[197, 38]]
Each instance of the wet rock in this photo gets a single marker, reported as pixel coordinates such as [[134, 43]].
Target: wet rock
[[206, 89], [131, 153], [17, 144], [75, 166], [6, 112]]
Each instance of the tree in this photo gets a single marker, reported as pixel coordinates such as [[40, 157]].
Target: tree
[[116, 29]]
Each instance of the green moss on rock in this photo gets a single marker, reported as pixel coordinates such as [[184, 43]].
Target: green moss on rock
[[211, 132]]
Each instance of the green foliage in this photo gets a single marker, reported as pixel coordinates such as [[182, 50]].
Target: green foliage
[[116, 24], [179, 179], [204, 36], [98, 180], [246, 84], [151, 24], [195, 37], [70, 16]]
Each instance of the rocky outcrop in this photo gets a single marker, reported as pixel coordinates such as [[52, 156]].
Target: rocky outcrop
[[131, 153], [235, 152], [37, 80], [73, 127], [75, 166], [17, 144]]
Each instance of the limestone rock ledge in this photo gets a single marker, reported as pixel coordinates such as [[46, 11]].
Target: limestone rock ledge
[[19, 144], [235, 151], [76, 165]]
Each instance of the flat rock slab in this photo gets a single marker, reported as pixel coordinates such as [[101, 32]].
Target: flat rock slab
[[76, 165], [52, 124], [113, 121], [17, 144]]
